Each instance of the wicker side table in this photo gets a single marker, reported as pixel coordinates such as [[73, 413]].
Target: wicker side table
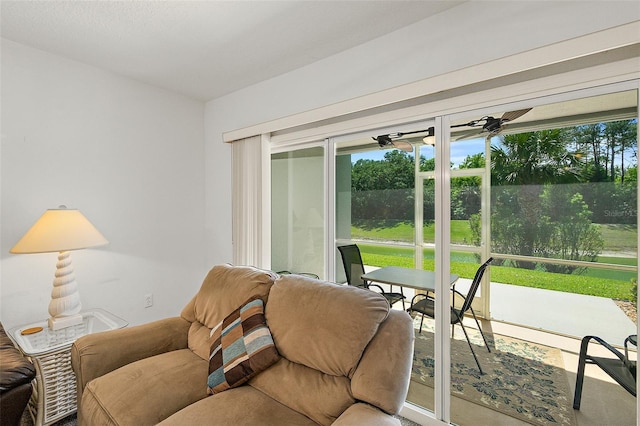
[[54, 389]]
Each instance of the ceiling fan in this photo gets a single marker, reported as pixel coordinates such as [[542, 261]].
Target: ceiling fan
[[391, 140], [491, 125]]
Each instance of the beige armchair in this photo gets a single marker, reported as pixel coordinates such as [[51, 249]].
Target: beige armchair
[[345, 359]]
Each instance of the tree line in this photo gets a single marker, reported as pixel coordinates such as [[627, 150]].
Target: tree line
[[548, 188]]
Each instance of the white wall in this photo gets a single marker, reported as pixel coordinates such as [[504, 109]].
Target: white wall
[[129, 156], [472, 33]]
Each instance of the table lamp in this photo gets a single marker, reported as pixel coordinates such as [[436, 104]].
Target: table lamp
[[61, 230]]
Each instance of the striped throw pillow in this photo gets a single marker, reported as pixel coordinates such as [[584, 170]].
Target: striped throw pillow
[[241, 346]]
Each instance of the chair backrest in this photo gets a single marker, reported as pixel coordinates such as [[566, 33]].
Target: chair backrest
[[474, 286], [353, 266]]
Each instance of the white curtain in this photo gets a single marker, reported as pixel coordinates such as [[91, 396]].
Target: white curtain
[[251, 202]]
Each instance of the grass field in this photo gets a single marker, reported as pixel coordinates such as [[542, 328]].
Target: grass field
[[621, 238], [618, 238], [596, 282]]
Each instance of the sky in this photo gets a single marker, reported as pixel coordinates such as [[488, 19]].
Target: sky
[[459, 151]]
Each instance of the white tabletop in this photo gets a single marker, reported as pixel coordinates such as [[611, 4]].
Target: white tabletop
[[406, 277], [47, 340]]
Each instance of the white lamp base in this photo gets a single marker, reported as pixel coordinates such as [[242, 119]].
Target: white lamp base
[[65, 305], [64, 322]]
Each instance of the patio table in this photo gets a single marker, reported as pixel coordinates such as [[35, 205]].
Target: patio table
[[406, 277]]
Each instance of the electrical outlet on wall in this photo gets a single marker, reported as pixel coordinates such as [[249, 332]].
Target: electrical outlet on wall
[[148, 300]]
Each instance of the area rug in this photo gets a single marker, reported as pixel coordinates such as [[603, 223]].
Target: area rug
[[523, 380]]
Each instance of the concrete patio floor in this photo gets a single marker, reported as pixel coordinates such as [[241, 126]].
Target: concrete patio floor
[[567, 314], [564, 313]]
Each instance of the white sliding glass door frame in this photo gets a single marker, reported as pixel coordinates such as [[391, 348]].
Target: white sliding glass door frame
[[442, 176], [599, 78], [443, 270]]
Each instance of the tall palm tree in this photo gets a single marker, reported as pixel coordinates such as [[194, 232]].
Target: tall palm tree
[[528, 161]]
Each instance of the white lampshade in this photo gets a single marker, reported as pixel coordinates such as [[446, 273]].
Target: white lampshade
[[60, 230]]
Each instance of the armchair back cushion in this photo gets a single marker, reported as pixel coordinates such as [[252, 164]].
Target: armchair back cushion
[[322, 331], [224, 290]]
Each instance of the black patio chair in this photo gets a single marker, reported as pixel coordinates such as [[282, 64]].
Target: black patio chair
[[621, 368], [424, 304], [354, 269]]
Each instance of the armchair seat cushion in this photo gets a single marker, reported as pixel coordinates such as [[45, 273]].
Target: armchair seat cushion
[[242, 406], [146, 392]]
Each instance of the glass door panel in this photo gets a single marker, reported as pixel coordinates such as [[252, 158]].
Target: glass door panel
[[564, 215], [375, 204], [423, 379], [376, 209], [559, 216], [423, 376], [297, 211]]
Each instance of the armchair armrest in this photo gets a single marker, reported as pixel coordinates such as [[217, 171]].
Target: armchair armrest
[[95, 355], [365, 414]]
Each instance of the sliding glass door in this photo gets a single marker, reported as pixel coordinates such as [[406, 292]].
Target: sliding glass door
[[298, 199], [548, 188], [558, 214], [379, 207]]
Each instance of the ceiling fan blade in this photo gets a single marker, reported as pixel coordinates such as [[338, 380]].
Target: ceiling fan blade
[[403, 145], [512, 115], [491, 125]]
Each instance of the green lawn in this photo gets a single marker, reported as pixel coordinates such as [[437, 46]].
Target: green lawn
[[618, 238], [404, 231], [464, 264], [596, 282]]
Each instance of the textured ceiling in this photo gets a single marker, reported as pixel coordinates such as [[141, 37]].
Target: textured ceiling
[[205, 49]]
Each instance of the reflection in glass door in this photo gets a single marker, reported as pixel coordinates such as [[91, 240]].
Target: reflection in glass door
[[298, 211]]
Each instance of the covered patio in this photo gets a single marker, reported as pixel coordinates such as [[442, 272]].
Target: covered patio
[[565, 319]]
